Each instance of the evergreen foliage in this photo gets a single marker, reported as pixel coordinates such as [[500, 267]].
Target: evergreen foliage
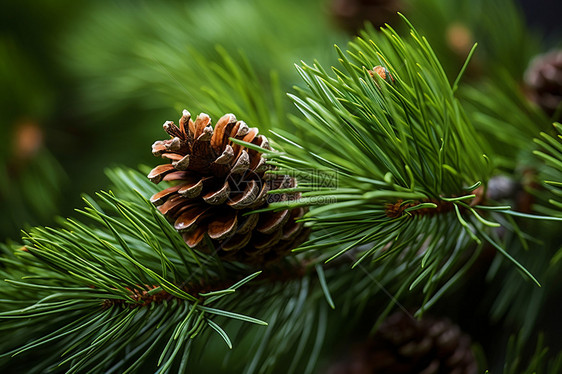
[[394, 156], [408, 162]]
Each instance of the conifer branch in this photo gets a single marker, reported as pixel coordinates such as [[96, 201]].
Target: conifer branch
[[406, 167], [121, 291]]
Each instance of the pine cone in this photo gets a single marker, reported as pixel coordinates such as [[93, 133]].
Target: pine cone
[[352, 14], [403, 345], [544, 82], [216, 182]]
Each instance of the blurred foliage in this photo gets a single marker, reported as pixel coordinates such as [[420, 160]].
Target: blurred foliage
[[541, 361], [498, 26], [153, 57], [31, 91], [30, 189], [500, 111]]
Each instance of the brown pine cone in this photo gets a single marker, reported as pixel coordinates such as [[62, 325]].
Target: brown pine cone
[[215, 182], [352, 14], [544, 82], [403, 345]]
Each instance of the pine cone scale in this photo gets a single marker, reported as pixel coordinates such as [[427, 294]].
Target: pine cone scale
[[273, 222], [172, 157], [226, 156], [249, 222], [173, 204], [191, 188], [176, 175], [242, 163], [217, 197], [293, 228], [160, 197], [223, 226], [194, 239], [247, 198], [159, 172], [189, 217], [182, 163], [237, 242]]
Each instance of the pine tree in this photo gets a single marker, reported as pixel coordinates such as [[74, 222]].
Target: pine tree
[[411, 181]]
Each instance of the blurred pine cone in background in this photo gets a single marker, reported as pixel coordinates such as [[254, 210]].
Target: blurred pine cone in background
[[404, 345], [216, 182], [543, 79], [352, 14]]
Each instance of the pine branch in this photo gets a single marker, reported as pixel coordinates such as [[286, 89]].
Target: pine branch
[[551, 173], [403, 173], [115, 282], [121, 292], [401, 182]]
